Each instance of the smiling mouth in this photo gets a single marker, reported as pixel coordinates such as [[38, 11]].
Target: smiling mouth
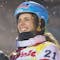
[[24, 28]]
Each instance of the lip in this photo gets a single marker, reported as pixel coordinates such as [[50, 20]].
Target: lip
[[24, 28]]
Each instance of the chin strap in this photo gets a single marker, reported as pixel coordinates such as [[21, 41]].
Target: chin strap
[[32, 41]]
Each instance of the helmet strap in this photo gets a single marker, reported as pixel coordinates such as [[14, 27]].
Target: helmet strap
[[25, 35]]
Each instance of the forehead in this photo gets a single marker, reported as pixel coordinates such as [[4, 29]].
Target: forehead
[[28, 15]]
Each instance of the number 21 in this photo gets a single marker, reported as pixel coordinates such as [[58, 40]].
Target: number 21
[[48, 52]]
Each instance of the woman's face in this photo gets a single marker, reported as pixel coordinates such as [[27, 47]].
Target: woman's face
[[26, 23]]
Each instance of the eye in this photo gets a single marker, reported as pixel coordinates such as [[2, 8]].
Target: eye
[[27, 19]]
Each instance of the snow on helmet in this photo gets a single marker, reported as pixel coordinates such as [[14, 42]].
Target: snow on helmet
[[33, 7]]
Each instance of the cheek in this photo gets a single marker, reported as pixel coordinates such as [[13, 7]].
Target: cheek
[[31, 26], [18, 26], [28, 25]]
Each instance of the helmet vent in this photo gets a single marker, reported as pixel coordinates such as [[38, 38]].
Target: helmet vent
[[27, 4]]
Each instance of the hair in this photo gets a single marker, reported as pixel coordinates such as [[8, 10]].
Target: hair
[[51, 38]]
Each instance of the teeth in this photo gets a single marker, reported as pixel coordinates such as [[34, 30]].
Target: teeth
[[23, 29]]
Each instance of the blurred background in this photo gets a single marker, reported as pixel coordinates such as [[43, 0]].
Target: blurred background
[[8, 21]]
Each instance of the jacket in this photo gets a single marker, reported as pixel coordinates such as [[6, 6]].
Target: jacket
[[36, 48]]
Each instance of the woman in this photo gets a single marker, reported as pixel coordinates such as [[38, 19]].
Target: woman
[[33, 42]]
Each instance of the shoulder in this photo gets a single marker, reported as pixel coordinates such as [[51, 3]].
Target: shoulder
[[52, 48], [50, 45], [50, 51], [46, 46]]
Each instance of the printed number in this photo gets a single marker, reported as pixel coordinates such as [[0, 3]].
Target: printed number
[[48, 52]]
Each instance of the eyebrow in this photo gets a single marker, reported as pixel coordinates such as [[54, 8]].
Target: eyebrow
[[26, 17]]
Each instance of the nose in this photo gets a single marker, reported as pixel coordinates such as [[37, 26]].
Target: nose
[[22, 23]]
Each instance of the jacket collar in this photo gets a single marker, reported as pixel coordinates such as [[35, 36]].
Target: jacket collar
[[32, 41]]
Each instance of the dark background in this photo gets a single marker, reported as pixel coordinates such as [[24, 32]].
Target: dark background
[[8, 21]]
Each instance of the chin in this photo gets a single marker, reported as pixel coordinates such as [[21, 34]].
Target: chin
[[24, 31]]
